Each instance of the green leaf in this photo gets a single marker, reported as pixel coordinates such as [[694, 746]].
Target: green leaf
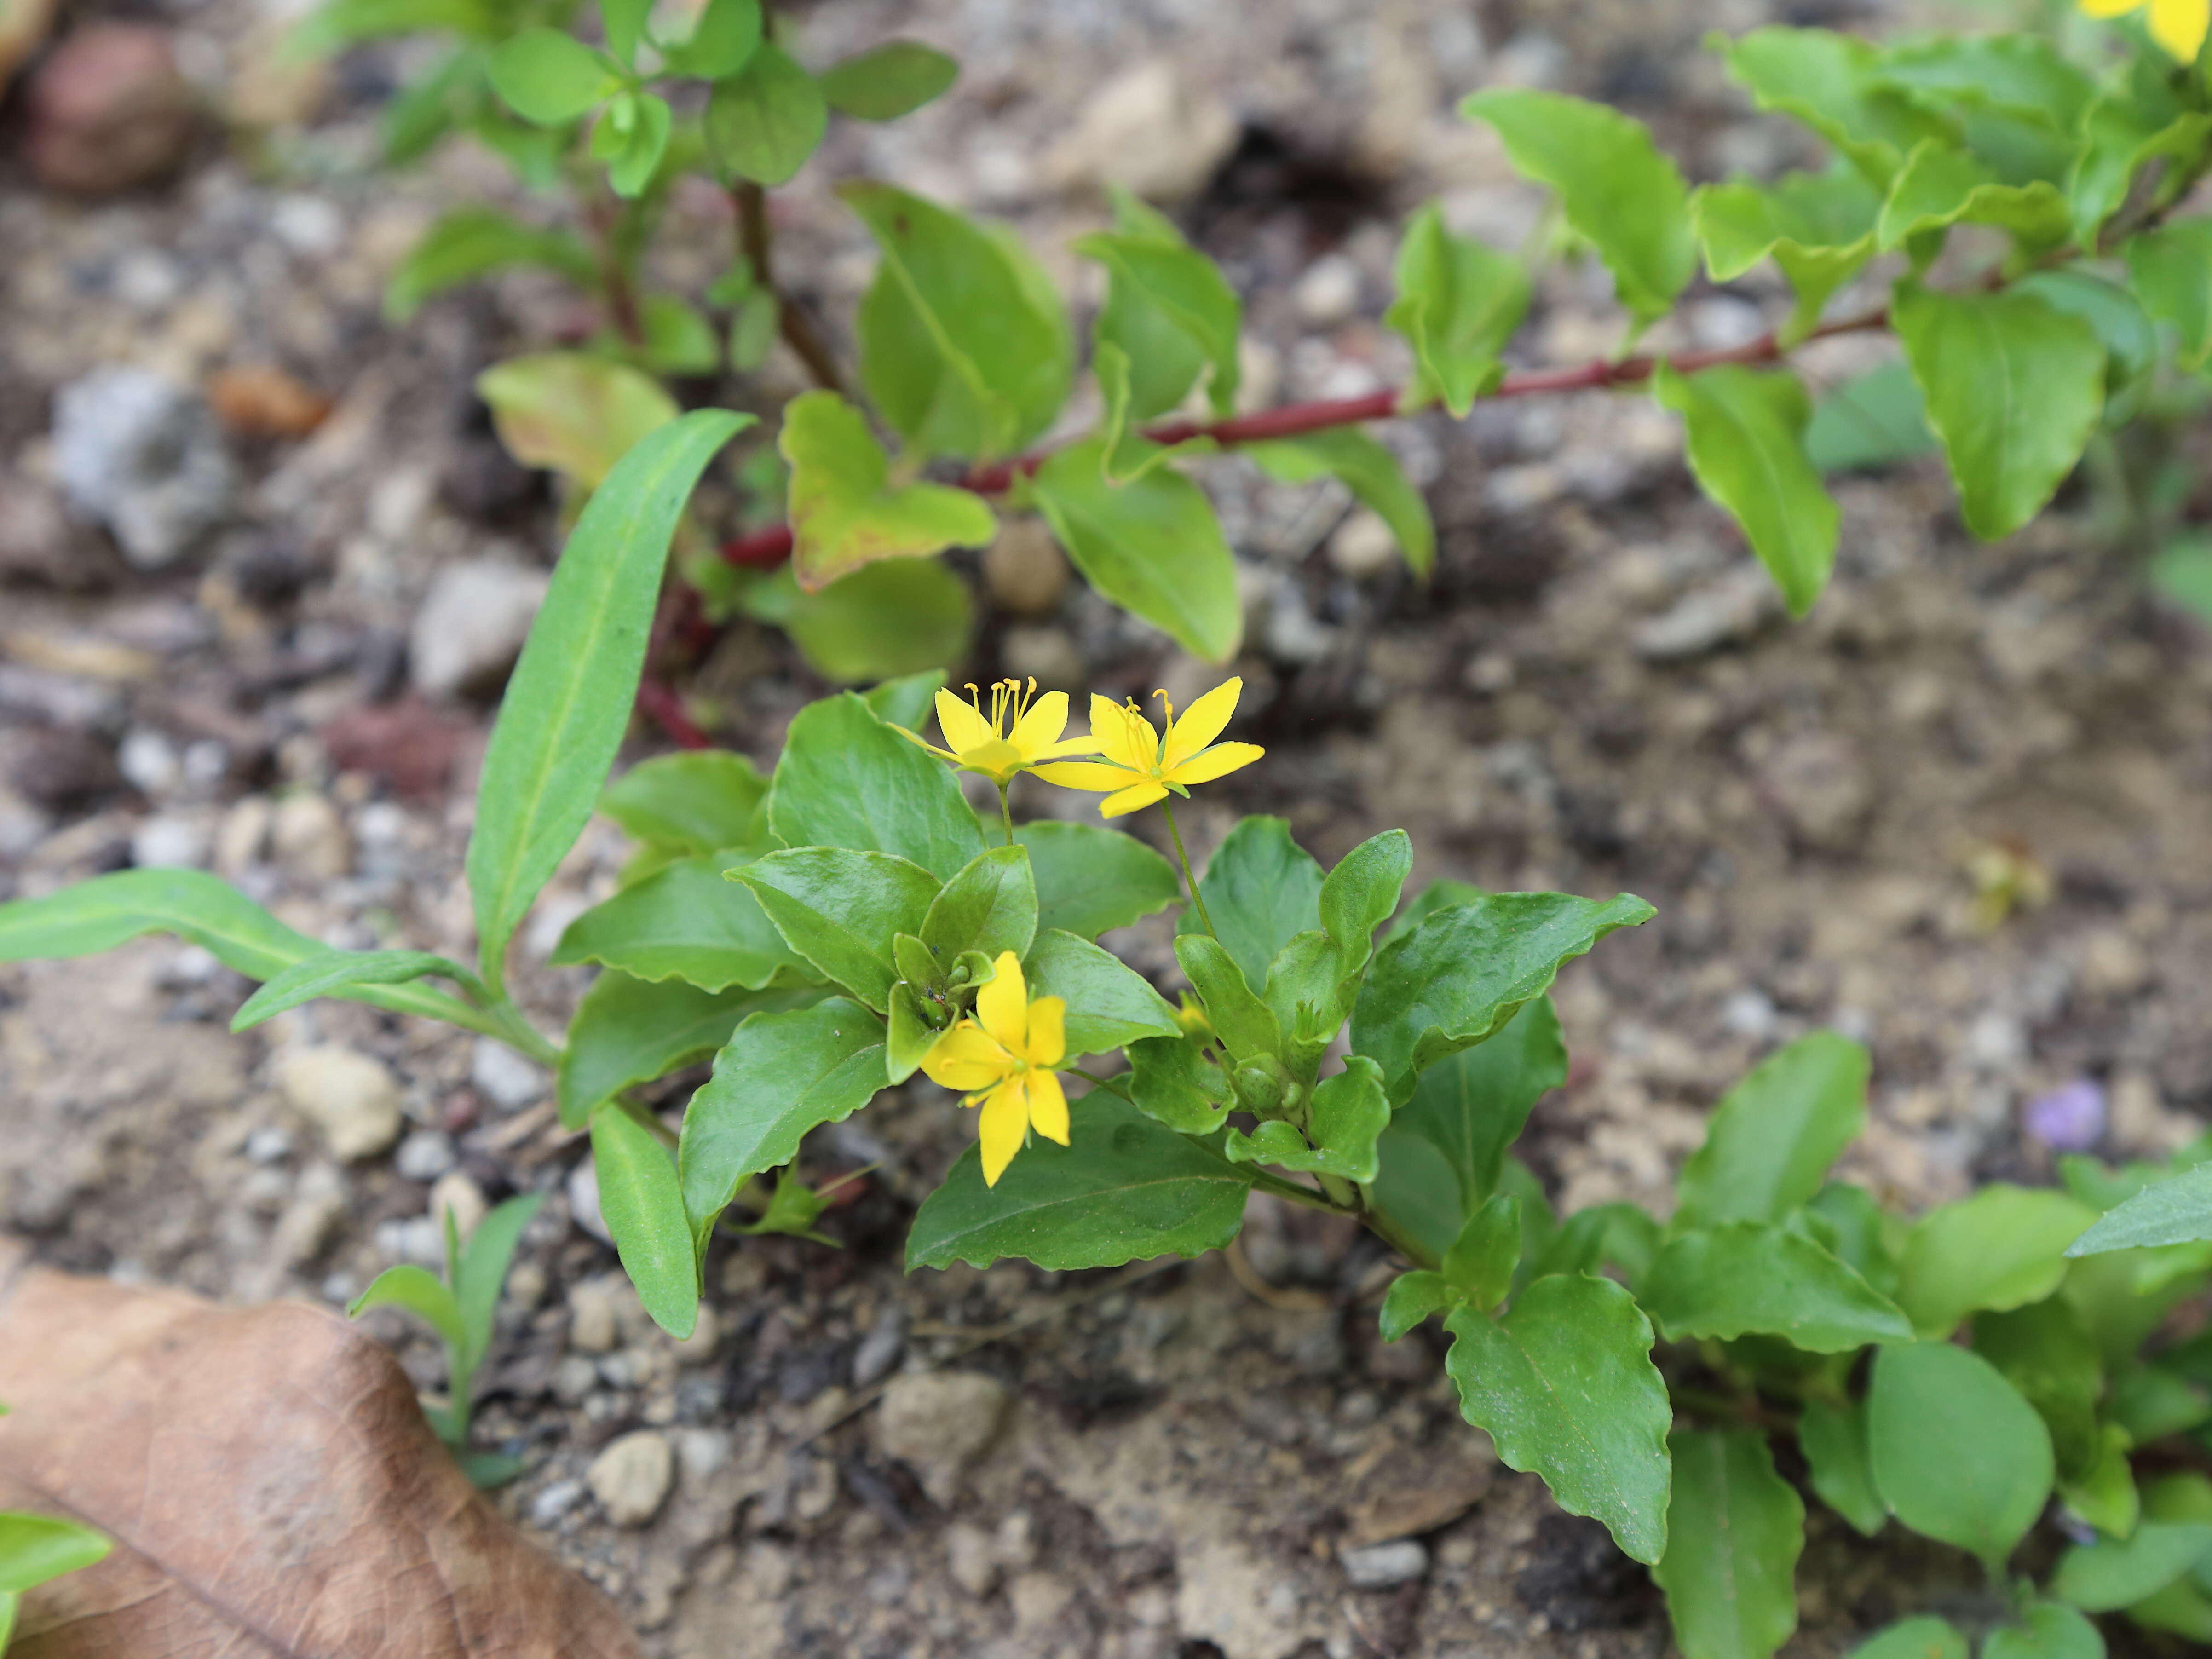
[[1172, 1082], [1108, 1003], [624, 23], [1416, 1189], [633, 157], [2048, 1632], [1614, 186], [1458, 303], [569, 701], [1482, 1258], [913, 1027], [753, 329], [1914, 1638], [472, 242], [899, 616], [1346, 1113], [2106, 1495], [2019, 73], [2171, 267], [1090, 880], [643, 1205], [1770, 1140], [1473, 1106], [698, 800], [848, 780], [2046, 1352], [1734, 1530], [1369, 469], [2003, 1247], [574, 412], [764, 121], [1605, 1234], [678, 338], [988, 907], [1170, 310], [839, 909], [484, 1261], [779, 1076], [845, 513], [1411, 1299], [2114, 1573], [964, 345], [1124, 1189], [906, 701], [98, 914], [335, 971], [1848, 1222], [1940, 186], [1749, 1276], [1247, 1026], [1362, 892], [341, 22], [1263, 891], [2013, 388], [727, 35], [684, 922], [1746, 433], [1565, 1386], [1456, 980], [1869, 422], [2151, 1402], [889, 80], [1153, 546], [1831, 82], [549, 77], [2176, 1212], [1957, 1454], [1817, 227], [1834, 1441], [423, 1294], [34, 1548], [628, 1031], [1129, 454], [2122, 328]]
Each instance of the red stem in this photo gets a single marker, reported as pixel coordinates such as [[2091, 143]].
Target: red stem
[[764, 549], [660, 702]]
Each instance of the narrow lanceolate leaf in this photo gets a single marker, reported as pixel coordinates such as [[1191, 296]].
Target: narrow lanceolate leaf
[[840, 910], [845, 511], [889, 80], [1263, 891], [1749, 1276], [1957, 1454], [334, 972], [1770, 1140], [1734, 1530], [2013, 388], [1458, 304], [847, 780], [1091, 878], [644, 1211], [568, 701], [684, 922], [1125, 1188], [1369, 470], [628, 1031], [100, 915], [1456, 980], [1473, 1106], [423, 1294], [34, 1548], [699, 800], [779, 1076], [2003, 1247], [484, 1261], [2176, 1212], [1746, 433], [1566, 1386], [1834, 1441], [1614, 186]]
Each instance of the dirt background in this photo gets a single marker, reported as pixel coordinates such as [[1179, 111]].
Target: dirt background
[[1596, 693]]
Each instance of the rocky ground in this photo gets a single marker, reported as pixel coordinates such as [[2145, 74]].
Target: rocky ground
[[271, 659]]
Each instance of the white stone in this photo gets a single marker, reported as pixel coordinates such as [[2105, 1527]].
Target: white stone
[[145, 458], [170, 841], [458, 1195], [351, 1098], [309, 838], [149, 762], [971, 1559], [594, 1314], [473, 624], [556, 1501], [1149, 131], [425, 1155], [583, 1191], [1328, 292], [1378, 1566], [1364, 546], [507, 1080], [939, 1422], [632, 1476]]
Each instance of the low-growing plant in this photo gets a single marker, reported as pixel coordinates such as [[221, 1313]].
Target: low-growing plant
[[35, 1549], [829, 930], [2022, 189], [461, 1307]]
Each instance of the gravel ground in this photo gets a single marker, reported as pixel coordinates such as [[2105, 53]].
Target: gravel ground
[[1596, 693]]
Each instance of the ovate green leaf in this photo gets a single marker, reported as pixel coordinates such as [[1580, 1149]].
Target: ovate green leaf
[[1108, 1003], [1831, 82], [549, 77], [684, 922], [1734, 1530], [572, 411], [1458, 303], [764, 121], [845, 513], [2047, 1632], [1834, 1441], [1170, 310], [1263, 891], [1817, 227], [2003, 1247], [2172, 271], [1749, 1276], [847, 780], [898, 616], [644, 1210], [1770, 1140], [1091, 878], [2116, 1572], [840, 909], [1957, 1454], [628, 1031], [1914, 1638], [34, 1548], [989, 906], [699, 800], [1473, 1106], [888, 80]]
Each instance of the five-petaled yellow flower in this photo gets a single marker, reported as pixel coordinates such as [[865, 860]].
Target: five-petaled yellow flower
[[1002, 1057], [1012, 737], [1139, 765], [2179, 26]]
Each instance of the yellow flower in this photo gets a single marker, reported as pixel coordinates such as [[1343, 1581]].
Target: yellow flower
[[1002, 1057], [2179, 26], [1140, 765], [983, 743]]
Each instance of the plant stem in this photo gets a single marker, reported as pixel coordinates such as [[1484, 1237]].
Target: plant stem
[[1196, 898], [1106, 1082], [754, 238], [518, 1033], [1005, 816]]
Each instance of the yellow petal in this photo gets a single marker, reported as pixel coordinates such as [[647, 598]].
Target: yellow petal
[[966, 1058], [1002, 1006], [963, 727], [1048, 1043], [1131, 799], [1040, 728], [1124, 736], [1004, 1124], [1216, 761], [1084, 775], [1201, 723], [1048, 1106], [2179, 26], [1067, 746]]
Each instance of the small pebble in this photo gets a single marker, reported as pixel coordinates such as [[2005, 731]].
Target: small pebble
[[506, 1079], [348, 1096], [1378, 1566], [632, 1476], [425, 1155], [556, 1501]]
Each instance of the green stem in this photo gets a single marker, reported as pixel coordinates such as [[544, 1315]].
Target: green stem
[[1106, 1082], [508, 1026], [1189, 880], [1005, 815], [643, 1115]]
